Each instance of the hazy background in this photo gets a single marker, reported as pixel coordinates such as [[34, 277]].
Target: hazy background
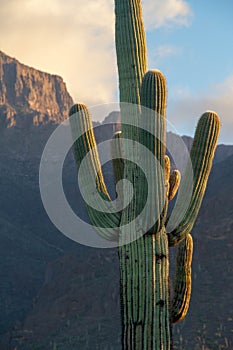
[[190, 41]]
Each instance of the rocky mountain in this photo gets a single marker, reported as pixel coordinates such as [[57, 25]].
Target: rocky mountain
[[31, 104], [57, 294], [30, 97]]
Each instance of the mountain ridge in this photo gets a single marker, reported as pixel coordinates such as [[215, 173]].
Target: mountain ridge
[[28, 91]]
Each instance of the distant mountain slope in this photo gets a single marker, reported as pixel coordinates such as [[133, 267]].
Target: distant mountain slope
[[32, 103], [80, 297]]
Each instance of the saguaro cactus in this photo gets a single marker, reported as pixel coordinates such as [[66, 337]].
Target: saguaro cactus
[[147, 312]]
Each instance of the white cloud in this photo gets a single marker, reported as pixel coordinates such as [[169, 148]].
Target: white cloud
[[167, 50], [158, 13], [158, 54], [75, 39], [185, 112]]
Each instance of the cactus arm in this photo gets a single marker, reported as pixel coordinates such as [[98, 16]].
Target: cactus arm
[[81, 124], [86, 143], [131, 49], [183, 280], [174, 183], [201, 155], [153, 136]]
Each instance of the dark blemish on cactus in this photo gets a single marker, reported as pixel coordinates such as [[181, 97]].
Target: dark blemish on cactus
[[161, 303], [137, 323]]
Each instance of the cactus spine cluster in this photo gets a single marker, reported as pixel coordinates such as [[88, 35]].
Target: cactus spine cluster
[[147, 312]]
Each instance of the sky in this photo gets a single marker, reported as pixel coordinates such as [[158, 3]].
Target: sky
[[189, 41]]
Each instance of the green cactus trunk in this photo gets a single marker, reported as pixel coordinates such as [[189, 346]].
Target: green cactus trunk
[[142, 235], [145, 293], [131, 49], [144, 263]]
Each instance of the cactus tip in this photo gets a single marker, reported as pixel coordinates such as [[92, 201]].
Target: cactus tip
[[211, 115], [77, 108]]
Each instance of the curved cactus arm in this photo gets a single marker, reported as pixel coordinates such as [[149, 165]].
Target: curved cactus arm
[[201, 155], [81, 124], [172, 180], [174, 183], [183, 280], [131, 49], [153, 137]]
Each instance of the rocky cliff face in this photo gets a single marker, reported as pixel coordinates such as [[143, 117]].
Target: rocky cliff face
[[30, 97]]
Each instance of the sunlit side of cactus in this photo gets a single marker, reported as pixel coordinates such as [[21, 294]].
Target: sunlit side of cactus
[[147, 312]]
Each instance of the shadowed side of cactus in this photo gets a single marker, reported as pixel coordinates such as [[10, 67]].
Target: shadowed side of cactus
[[143, 235], [183, 280]]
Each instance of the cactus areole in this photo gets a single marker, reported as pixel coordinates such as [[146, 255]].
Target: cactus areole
[[146, 309]]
